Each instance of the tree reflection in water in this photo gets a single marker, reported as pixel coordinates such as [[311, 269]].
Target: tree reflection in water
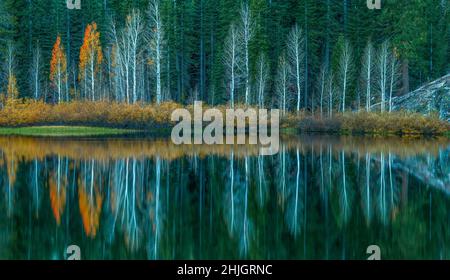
[[319, 198]]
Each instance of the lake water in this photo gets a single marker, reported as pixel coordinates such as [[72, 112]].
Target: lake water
[[321, 197]]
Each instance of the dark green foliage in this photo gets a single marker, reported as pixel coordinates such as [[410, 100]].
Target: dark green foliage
[[195, 32]]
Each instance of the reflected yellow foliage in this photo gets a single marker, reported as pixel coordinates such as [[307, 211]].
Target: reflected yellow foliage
[[12, 169], [360, 145], [57, 196], [16, 148], [90, 208]]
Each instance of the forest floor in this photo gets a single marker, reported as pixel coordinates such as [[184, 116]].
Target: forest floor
[[78, 118]]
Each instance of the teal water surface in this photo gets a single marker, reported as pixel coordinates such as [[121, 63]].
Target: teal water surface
[[321, 197]]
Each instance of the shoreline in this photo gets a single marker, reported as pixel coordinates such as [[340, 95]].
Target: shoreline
[[102, 118], [93, 131]]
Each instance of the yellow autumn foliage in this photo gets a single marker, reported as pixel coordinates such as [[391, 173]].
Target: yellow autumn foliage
[[395, 123], [23, 112], [33, 113]]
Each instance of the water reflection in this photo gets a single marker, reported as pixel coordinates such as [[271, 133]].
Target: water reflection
[[319, 198]]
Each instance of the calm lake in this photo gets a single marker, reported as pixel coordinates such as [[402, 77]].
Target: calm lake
[[321, 197]]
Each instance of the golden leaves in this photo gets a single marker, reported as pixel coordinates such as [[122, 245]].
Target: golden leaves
[[58, 63], [91, 50]]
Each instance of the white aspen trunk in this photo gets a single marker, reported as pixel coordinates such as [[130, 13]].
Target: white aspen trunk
[[322, 88], [297, 77], [281, 84], [383, 65], [261, 86], [134, 62], [158, 59], [246, 35], [127, 83], [391, 86], [262, 79], [131, 39], [247, 79], [284, 98], [296, 56], [67, 86], [330, 95], [59, 80], [368, 74], [134, 75], [345, 68], [344, 90], [306, 57], [37, 72], [157, 39], [85, 85], [393, 79], [92, 77], [202, 55], [110, 83], [231, 61]]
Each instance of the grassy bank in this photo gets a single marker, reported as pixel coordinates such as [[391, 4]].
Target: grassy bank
[[101, 118], [63, 131]]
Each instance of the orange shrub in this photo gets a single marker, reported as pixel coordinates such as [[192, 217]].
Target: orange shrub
[[17, 113], [29, 113], [399, 123]]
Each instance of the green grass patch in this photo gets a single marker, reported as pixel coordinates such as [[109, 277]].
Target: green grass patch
[[63, 131], [289, 131]]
